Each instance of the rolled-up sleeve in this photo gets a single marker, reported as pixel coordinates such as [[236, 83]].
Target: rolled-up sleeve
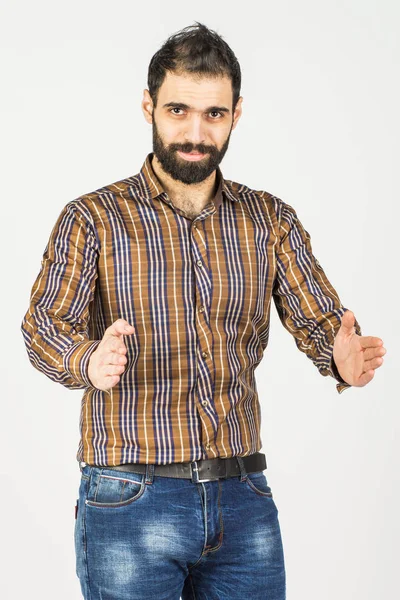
[[307, 303], [55, 326]]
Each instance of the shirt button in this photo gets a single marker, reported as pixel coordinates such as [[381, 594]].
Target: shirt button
[[199, 262], [204, 402], [201, 308], [204, 354]]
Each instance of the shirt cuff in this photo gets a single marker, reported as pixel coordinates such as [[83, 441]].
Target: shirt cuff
[[328, 366], [76, 361], [326, 363], [342, 385]]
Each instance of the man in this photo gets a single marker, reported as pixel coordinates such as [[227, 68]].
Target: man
[[154, 297]]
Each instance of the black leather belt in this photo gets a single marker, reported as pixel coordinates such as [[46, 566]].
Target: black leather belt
[[208, 469]]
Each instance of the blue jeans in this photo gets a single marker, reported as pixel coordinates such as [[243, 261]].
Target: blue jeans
[[146, 537]]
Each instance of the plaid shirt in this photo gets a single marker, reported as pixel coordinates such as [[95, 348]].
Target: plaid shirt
[[198, 293]]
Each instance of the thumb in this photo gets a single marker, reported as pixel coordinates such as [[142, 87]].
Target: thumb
[[119, 328], [348, 321]]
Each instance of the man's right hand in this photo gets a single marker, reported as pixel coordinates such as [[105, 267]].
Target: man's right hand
[[108, 360]]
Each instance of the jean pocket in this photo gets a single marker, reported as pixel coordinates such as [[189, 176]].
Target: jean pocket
[[257, 482], [113, 489]]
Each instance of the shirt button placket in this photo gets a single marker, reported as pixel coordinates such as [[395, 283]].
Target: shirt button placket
[[206, 373]]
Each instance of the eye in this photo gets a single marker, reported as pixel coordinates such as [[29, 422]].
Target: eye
[[217, 112], [212, 112], [175, 108]]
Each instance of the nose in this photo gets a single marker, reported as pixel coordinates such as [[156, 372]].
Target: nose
[[195, 130]]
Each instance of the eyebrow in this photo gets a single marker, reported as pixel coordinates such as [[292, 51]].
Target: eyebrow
[[184, 106]]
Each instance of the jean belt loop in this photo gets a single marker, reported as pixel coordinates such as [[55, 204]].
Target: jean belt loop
[[242, 468], [194, 470], [149, 474]]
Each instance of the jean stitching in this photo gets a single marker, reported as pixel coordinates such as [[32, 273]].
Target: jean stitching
[[221, 534], [191, 583], [120, 479], [202, 552], [120, 504], [97, 485], [85, 558], [259, 492]]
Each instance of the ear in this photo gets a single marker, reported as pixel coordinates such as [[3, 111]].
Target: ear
[[147, 106], [237, 112]]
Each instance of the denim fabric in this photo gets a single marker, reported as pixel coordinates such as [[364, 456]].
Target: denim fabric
[[146, 537]]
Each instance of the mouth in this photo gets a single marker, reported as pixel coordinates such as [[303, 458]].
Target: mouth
[[191, 155]]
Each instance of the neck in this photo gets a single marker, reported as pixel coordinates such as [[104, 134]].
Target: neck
[[203, 191]]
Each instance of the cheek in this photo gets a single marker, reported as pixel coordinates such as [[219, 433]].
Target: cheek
[[167, 130], [172, 134], [221, 136], [216, 136]]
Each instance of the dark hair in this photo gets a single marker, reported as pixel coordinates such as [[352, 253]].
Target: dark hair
[[197, 50]]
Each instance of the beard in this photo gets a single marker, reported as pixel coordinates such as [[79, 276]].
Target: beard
[[184, 170]]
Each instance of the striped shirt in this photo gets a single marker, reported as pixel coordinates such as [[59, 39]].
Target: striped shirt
[[198, 293]]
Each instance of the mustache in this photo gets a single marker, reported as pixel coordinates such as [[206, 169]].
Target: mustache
[[189, 147]]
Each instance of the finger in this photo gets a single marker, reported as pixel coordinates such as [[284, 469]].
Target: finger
[[118, 348], [372, 352], [114, 344], [111, 380], [374, 363], [119, 328], [369, 341], [114, 358], [115, 369], [366, 377]]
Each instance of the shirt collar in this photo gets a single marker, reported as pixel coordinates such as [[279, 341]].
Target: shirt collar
[[154, 188]]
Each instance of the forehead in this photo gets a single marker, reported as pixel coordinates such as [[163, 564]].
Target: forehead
[[196, 91]]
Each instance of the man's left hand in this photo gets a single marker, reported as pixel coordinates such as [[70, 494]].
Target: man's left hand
[[356, 356]]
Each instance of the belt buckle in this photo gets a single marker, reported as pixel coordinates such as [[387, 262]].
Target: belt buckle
[[196, 468]]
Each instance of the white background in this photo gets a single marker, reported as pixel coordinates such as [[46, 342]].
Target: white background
[[320, 129]]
